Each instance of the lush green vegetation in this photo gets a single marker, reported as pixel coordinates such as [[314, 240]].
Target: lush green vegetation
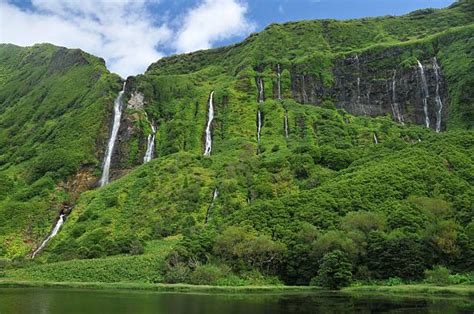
[[325, 206], [53, 110]]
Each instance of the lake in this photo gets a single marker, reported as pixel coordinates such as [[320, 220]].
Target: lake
[[70, 301]]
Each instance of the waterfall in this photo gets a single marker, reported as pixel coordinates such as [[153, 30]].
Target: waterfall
[[279, 81], [209, 209], [53, 233], [286, 123], [261, 96], [376, 141], [113, 137], [150, 145], [358, 78], [439, 103], [396, 110], [259, 127], [210, 117], [425, 93]]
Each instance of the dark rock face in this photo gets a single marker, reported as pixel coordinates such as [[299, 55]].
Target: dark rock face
[[65, 58], [364, 85]]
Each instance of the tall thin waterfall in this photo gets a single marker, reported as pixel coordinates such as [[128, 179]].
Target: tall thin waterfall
[[150, 147], [425, 93], [210, 117], [279, 81], [439, 103], [259, 126], [286, 123], [113, 137], [396, 110], [261, 96], [53, 233], [358, 78], [209, 209], [376, 140]]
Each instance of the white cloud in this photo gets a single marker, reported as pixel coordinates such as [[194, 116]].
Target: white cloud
[[211, 21], [124, 32], [119, 31]]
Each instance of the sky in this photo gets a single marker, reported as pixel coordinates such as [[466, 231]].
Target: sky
[[131, 34]]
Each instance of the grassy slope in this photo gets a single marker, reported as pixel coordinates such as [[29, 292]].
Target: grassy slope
[[54, 105]]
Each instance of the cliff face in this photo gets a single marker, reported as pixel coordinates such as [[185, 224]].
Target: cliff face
[[362, 88], [367, 67]]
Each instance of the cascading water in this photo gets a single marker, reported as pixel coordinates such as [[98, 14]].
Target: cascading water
[[210, 117], [214, 196], [358, 78], [261, 96], [376, 140], [150, 145], [279, 81], [396, 110], [439, 103], [286, 124], [113, 137], [53, 233], [259, 126], [425, 93]]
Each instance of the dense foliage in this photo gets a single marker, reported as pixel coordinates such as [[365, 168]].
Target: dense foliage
[[53, 108], [341, 198]]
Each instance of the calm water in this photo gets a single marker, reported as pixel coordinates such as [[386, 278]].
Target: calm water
[[42, 301]]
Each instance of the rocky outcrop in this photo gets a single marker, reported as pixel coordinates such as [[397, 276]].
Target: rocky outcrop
[[364, 85], [136, 101], [131, 141]]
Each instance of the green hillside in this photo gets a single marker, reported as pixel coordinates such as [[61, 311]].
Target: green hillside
[[54, 109], [334, 174]]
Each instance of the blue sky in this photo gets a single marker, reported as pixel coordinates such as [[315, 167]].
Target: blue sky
[[130, 34]]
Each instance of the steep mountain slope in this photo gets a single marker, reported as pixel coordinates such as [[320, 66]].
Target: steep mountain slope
[[319, 142], [53, 113]]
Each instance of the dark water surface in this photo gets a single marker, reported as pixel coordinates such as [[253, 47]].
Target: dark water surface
[[70, 301]]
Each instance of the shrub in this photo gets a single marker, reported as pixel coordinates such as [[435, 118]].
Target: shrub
[[457, 279], [177, 273], [206, 274], [394, 281], [440, 275], [335, 271]]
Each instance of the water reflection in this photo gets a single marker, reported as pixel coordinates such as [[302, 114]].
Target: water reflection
[[33, 300]]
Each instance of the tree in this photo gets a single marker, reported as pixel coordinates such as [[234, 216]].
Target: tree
[[245, 250], [335, 271], [363, 221]]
